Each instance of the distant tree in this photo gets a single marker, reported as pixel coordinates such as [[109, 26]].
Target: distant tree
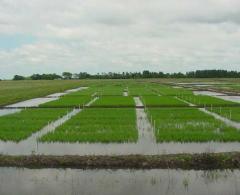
[[84, 75], [45, 77], [18, 77], [67, 75]]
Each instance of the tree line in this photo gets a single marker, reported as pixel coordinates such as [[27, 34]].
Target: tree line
[[133, 75]]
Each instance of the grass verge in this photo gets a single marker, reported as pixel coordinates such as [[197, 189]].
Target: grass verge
[[208, 161]]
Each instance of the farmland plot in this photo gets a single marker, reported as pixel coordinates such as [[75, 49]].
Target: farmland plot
[[232, 113], [19, 126], [204, 100], [108, 101], [97, 125], [189, 125], [166, 101], [68, 101]]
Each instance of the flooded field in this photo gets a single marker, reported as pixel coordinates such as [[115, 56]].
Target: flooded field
[[107, 182], [146, 123]]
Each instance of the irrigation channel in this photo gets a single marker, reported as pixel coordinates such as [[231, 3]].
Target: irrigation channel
[[146, 144], [108, 182]]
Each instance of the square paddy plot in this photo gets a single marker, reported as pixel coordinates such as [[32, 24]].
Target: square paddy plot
[[68, 101], [231, 113], [97, 125], [204, 100], [108, 101], [165, 101], [19, 126], [189, 125]]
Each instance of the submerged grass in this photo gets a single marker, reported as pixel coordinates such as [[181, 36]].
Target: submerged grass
[[97, 125], [189, 125], [19, 126]]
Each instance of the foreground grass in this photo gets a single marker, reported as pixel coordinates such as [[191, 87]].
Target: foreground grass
[[97, 125], [15, 91], [189, 125], [19, 126], [114, 101]]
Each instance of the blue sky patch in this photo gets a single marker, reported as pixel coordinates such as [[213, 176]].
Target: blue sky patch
[[15, 40]]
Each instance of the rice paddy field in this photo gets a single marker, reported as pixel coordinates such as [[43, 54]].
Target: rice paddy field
[[107, 112], [189, 125], [204, 100], [21, 125], [98, 125], [87, 135], [15, 91], [68, 101]]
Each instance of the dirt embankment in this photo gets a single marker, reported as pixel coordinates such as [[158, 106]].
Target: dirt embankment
[[178, 161]]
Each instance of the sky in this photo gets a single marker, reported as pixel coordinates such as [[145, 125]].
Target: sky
[[53, 36]]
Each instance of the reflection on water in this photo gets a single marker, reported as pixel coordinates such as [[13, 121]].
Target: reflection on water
[[146, 148], [109, 182]]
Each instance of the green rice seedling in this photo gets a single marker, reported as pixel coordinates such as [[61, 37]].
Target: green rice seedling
[[85, 92], [19, 126], [68, 101], [97, 125], [114, 101], [162, 101], [165, 90], [140, 89], [204, 100], [189, 125], [232, 113], [15, 91]]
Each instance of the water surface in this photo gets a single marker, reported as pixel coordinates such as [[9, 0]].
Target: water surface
[[117, 182]]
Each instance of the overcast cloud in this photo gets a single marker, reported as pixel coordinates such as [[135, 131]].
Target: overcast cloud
[[45, 36]]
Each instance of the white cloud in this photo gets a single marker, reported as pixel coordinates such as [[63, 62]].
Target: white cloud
[[127, 35]]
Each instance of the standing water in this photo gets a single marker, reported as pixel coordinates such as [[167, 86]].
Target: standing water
[[109, 182], [16, 107]]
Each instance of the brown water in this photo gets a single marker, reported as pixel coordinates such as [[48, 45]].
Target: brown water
[[117, 182]]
